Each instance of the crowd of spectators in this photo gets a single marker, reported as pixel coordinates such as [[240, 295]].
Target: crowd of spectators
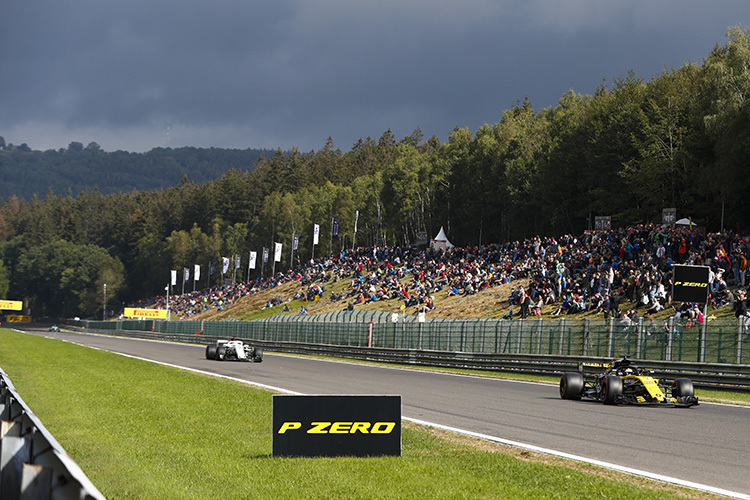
[[596, 271]]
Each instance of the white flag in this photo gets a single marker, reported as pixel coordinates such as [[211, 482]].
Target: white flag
[[237, 261], [277, 253], [196, 272], [356, 218], [224, 265], [316, 233], [251, 263], [174, 277]]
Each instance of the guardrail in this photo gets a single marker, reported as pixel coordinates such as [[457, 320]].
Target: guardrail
[[718, 376], [33, 465]]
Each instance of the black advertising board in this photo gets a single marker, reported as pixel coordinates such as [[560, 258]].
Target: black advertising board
[[690, 284], [330, 426]]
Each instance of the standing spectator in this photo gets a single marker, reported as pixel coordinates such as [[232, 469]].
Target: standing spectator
[[740, 305], [743, 269], [735, 263]]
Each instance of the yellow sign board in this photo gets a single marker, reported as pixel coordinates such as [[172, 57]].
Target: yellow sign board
[[133, 312], [18, 318], [13, 305]]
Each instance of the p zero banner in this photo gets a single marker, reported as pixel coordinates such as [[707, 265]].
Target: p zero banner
[[18, 318], [12, 305], [134, 312], [690, 284], [330, 426]]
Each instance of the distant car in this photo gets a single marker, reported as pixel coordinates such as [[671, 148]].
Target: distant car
[[622, 382], [54, 328], [233, 350]]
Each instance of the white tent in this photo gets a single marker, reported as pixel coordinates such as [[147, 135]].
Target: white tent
[[684, 222], [440, 241]]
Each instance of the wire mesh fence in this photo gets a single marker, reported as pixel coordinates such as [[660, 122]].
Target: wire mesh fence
[[721, 340]]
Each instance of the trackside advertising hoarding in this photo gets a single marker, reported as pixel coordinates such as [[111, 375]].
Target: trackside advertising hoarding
[[690, 284], [133, 312], [18, 318], [330, 426], [12, 305]]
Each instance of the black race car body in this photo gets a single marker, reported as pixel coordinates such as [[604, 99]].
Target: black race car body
[[233, 350], [622, 382]]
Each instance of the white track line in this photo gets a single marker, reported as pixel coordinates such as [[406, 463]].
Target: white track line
[[494, 439]]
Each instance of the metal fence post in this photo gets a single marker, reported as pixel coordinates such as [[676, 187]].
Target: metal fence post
[[539, 337], [702, 354], [639, 339], [521, 324], [670, 339], [586, 336], [562, 337], [497, 340], [741, 329]]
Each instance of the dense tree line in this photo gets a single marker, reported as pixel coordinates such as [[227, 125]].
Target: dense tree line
[[74, 169], [628, 151]]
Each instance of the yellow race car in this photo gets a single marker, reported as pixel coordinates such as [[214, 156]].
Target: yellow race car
[[621, 382]]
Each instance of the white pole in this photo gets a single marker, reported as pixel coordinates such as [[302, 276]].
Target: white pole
[[166, 288]]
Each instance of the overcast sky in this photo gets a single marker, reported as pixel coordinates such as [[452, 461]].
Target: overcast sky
[[138, 74]]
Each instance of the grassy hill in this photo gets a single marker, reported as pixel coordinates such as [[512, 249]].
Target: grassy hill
[[491, 303]]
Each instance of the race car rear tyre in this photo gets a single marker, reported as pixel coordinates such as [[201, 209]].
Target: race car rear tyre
[[682, 387], [571, 385], [210, 351], [258, 355], [611, 390], [221, 353]]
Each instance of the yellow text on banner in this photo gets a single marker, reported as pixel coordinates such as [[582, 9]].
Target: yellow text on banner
[[133, 312]]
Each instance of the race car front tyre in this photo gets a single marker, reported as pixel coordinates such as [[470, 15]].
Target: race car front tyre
[[258, 355], [210, 351], [682, 387], [611, 390], [221, 353], [571, 385]]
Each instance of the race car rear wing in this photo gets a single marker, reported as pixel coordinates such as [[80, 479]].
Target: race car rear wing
[[592, 367]]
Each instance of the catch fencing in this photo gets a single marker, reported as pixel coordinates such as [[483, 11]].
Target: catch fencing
[[721, 340], [33, 465]]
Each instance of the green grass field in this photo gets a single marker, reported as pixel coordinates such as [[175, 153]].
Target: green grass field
[[144, 431]]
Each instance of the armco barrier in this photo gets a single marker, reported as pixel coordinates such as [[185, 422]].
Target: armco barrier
[[33, 465], [719, 376]]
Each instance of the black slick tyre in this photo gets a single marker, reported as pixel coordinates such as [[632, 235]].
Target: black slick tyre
[[611, 390], [571, 385], [682, 387], [210, 351], [258, 355], [221, 352]]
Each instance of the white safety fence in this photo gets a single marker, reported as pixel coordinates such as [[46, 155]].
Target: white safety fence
[[33, 465]]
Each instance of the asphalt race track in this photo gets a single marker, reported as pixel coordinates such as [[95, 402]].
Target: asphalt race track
[[708, 444]]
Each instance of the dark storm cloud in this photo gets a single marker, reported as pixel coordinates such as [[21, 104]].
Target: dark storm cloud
[[134, 75]]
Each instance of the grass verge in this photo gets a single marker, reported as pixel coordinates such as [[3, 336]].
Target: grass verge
[[145, 431]]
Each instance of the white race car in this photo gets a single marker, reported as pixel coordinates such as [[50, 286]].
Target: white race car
[[233, 350]]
